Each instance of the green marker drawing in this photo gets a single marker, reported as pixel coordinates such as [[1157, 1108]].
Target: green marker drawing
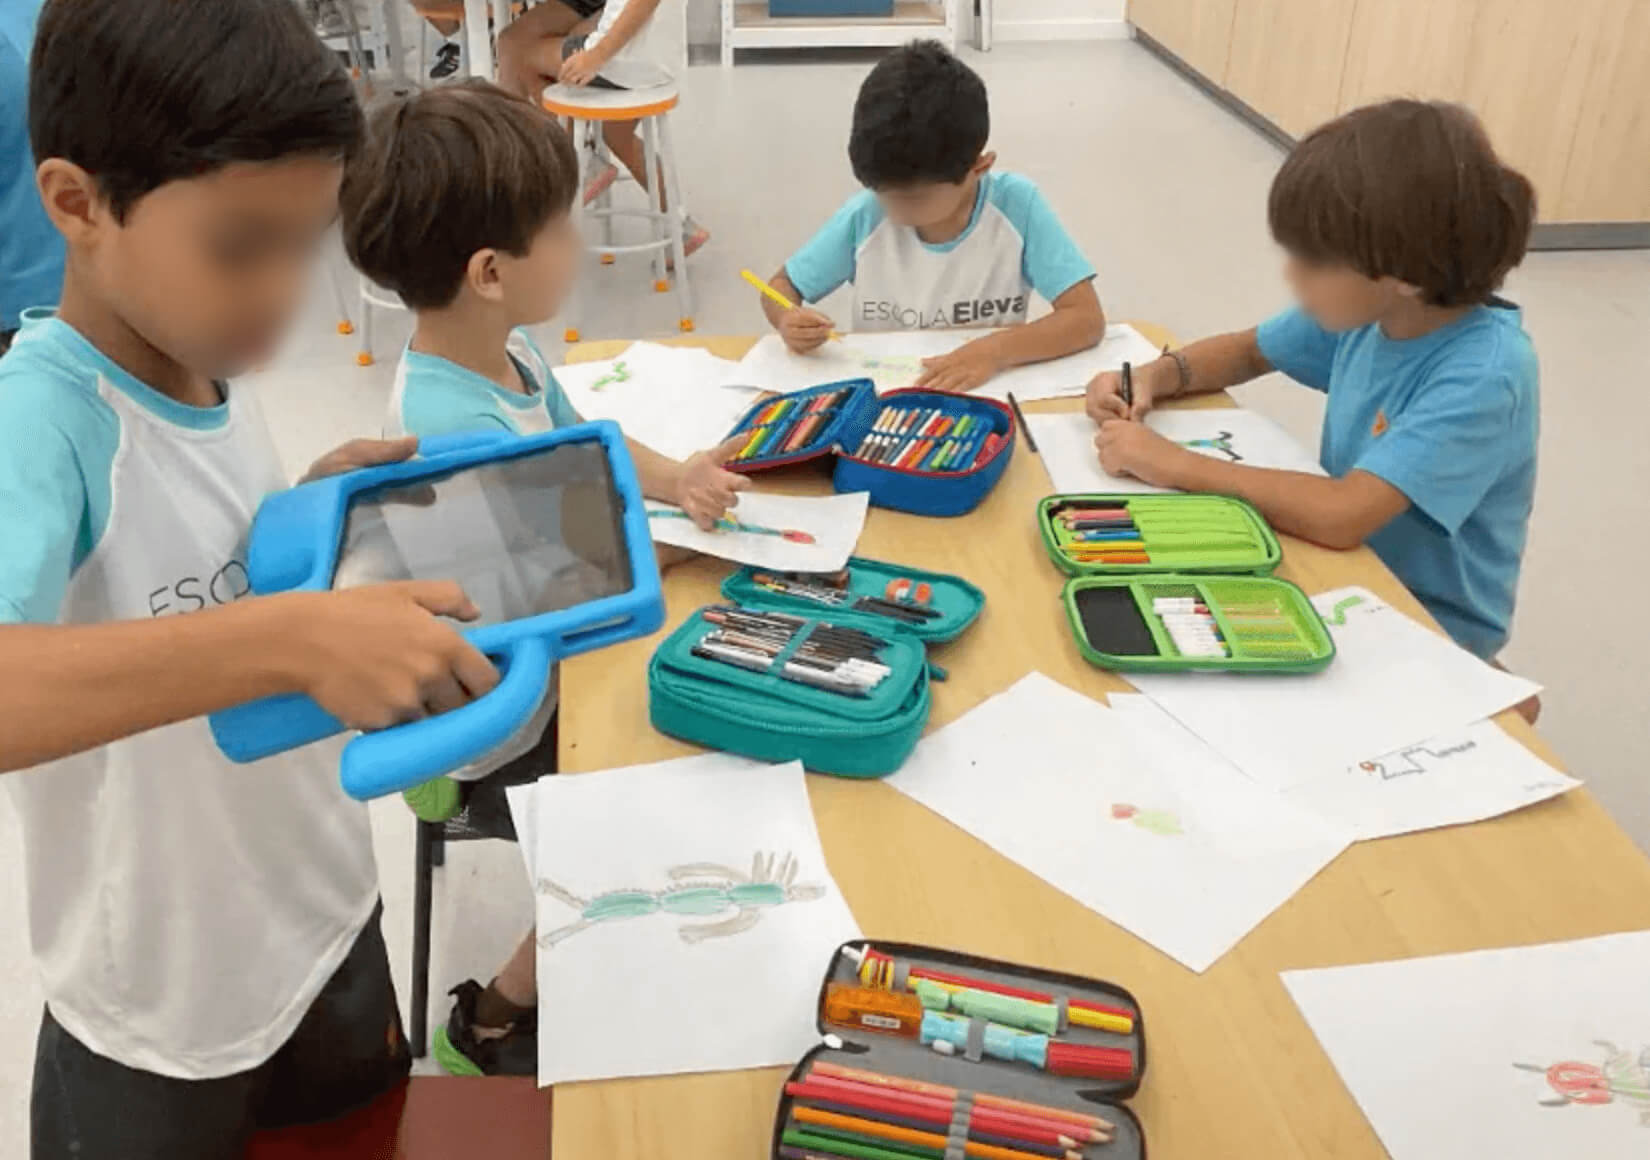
[[793, 535], [1221, 443], [1337, 614], [1163, 823], [619, 374]]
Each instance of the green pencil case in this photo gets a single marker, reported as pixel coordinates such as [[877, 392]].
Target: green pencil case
[[1193, 533], [971, 1095], [764, 715], [957, 602], [1176, 622]]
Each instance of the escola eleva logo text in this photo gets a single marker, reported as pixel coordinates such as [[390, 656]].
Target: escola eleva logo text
[[975, 312]]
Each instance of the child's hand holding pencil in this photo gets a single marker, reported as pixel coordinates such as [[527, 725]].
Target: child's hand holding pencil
[[801, 328]]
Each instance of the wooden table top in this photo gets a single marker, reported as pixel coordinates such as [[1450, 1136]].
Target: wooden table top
[[1234, 1070]]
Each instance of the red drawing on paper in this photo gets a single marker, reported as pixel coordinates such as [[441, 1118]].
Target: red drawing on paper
[[1623, 1077]]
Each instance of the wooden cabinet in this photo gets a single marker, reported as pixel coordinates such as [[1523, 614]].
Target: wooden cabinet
[[1563, 87], [1199, 31], [1287, 57]]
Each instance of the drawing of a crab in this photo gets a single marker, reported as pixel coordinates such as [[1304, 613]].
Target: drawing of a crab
[[734, 899], [1622, 1076]]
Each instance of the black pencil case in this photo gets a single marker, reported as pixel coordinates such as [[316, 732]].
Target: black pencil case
[[976, 1079]]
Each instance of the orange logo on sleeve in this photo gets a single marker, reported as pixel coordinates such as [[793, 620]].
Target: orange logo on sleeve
[[1378, 428]]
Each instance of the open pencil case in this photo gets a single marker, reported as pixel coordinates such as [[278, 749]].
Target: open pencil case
[[933, 606], [1156, 533], [1166, 583], [878, 1089], [931, 453], [766, 710]]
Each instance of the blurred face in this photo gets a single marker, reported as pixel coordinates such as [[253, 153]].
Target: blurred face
[[1338, 297], [532, 288], [210, 270]]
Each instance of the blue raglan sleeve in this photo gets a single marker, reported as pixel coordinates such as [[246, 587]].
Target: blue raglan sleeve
[[1447, 448], [1049, 260], [43, 508], [1299, 347], [828, 258]]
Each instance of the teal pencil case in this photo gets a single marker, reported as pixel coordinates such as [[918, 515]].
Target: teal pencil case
[[935, 607], [844, 692]]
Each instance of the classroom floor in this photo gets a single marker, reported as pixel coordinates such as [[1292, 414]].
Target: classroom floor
[[1166, 192]]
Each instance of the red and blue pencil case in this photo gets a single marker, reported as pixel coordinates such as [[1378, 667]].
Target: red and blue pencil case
[[931, 453]]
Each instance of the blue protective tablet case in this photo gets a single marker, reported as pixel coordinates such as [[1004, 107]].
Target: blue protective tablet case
[[295, 545], [843, 419]]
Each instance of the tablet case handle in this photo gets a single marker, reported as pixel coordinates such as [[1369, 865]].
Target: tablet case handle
[[402, 756]]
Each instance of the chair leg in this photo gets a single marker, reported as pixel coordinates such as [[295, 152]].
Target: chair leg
[[654, 191], [570, 309], [363, 357], [335, 280], [674, 219], [427, 836]]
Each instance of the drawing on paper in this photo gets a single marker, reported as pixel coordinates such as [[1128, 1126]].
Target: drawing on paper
[[1337, 615], [1221, 444], [794, 535], [619, 374], [734, 900], [1413, 759], [1622, 1077], [1163, 823]]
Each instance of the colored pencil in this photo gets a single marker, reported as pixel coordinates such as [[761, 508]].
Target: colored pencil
[[770, 292], [942, 1091], [909, 1136], [835, 1147], [871, 953], [919, 1124], [939, 1110], [1020, 415]]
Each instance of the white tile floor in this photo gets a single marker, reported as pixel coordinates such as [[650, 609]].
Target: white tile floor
[[1166, 192]]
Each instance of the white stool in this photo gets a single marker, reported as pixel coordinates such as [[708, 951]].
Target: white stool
[[651, 107]]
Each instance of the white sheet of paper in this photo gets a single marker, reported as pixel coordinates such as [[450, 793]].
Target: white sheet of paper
[[1124, 812], [1392, 683], [1066, 444], [1524, 1053], [893, 359], [1462, 776], [669, 398], [524, 813], [832, 521], [674, 848]]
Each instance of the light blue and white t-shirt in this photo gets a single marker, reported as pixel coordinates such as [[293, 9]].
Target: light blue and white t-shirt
[[1013, 244], [435, 396], [184, 911]]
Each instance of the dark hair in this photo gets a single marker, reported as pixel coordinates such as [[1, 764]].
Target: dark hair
[[448, 172], [143, 92], [922, 115], [1406, 189]]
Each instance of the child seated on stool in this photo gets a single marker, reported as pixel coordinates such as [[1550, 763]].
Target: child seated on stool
[[460, 204], [936, 239], [1399, 223]]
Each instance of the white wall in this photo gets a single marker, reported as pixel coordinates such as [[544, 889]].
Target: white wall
[[1014, 20]]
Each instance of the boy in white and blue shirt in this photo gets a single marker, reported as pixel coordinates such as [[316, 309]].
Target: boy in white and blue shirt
[[460, 203], [1399, 223], [936, 239]]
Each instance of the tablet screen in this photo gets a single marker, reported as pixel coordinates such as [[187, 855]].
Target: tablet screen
[[523, 536]]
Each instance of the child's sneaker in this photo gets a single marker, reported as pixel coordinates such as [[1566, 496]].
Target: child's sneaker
[[445, 61], [465, 1047], [435, 801]]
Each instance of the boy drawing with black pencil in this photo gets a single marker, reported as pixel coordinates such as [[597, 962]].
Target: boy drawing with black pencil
[[206, 935], [1399, 223], [460, 203], [937, 238]]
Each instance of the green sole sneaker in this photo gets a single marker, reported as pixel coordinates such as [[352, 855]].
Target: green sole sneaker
[[434, 801], [452, 1060]]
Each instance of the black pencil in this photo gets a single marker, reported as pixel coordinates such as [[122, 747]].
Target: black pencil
[[1024, 426], [1128, 390]]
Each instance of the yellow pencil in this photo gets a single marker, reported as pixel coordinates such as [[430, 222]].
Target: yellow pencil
[[751, 277]]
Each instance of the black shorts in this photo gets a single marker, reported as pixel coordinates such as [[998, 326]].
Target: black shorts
[[585, 8], [347, 1051]]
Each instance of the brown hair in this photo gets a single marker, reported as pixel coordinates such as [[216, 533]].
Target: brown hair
[[1406, 189], [448, 172]]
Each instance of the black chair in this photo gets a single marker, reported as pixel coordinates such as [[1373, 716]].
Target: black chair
[[486, 814]]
